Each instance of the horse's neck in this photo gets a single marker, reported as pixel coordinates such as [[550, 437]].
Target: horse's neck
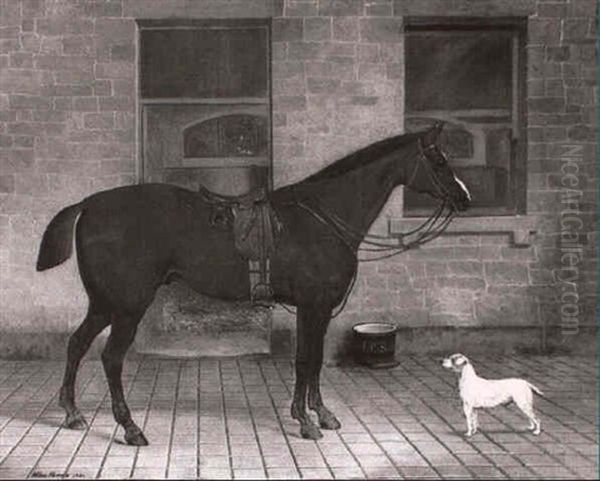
[[358, 197]]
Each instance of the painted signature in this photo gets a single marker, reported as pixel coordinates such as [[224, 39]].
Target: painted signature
[[54, 474]]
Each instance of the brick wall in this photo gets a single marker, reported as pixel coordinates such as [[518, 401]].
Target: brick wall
[[67, 129], [336, 82], [562, 104], [68, 123], [475, 280]]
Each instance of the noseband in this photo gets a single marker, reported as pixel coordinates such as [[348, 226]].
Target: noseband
[[442, 192]]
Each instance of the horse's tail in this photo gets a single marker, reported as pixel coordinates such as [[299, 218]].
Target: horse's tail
[[57, 242], [535, 389]]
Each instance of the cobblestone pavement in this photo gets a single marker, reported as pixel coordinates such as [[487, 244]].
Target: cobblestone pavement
[[230, 419]]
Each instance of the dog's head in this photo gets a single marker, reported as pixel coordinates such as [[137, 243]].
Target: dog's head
[[455, 362]]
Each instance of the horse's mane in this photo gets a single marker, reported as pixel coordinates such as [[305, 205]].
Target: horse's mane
[[361, 157]]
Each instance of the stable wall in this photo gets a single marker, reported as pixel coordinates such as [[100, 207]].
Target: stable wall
[[68, 128]]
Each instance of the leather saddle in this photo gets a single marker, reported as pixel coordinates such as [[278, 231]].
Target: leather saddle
[[256, 230]]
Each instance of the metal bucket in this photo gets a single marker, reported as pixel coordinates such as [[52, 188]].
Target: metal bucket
[[375, 344]]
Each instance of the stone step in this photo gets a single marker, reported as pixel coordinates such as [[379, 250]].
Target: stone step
[[184, 345]]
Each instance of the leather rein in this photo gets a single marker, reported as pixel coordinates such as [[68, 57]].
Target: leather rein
[[431, 228]]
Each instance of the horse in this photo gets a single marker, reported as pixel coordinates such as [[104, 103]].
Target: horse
[[130, 240]]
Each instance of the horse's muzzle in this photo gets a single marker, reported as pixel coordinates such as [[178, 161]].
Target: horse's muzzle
[[462, 204]]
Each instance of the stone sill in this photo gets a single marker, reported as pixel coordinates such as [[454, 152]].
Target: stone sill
[[160, 9], [465, 8], [521, 228]]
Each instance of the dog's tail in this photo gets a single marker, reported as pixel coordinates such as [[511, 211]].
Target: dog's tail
[[535, 389]]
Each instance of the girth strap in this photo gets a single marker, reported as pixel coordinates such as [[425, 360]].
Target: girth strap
[[256, 230]]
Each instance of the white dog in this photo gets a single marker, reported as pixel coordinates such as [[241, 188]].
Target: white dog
[[477, 392]]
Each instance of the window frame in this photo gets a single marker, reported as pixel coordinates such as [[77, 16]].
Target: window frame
[[517, 26]]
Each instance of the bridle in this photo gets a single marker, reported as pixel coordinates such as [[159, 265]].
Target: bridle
[[430, 229], [441, 191]]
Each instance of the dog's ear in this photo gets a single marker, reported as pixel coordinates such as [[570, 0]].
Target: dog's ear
[[460, 360]]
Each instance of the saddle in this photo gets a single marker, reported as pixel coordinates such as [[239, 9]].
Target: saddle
[[256, 230]]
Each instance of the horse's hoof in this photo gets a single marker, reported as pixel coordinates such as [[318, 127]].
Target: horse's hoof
[[136, 438], [330, 422], [310, 431], [76, 422]]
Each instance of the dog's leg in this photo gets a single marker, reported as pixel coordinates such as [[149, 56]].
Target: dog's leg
[[475, 422], [534, 422], [468, 410]]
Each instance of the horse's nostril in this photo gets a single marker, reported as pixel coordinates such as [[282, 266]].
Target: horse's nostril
[[462, 205]]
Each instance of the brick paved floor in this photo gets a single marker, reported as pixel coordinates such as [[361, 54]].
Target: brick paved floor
[[230, 419]]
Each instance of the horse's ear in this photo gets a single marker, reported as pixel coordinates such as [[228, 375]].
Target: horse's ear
[[433, 133]]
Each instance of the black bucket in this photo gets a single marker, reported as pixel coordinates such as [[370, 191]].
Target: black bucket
[[375, 344]]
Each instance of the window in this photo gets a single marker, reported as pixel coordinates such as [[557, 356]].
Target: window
[[203, 59], [470, 74], [205, 101]]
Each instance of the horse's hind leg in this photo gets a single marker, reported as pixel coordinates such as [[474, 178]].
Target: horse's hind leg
[[327, 419], [79, 343], [121, 336]]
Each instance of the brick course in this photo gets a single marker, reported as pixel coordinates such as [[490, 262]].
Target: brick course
[[68, 129]]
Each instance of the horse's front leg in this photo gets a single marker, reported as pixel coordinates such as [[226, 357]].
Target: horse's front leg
[[308, 429], [327, 419]]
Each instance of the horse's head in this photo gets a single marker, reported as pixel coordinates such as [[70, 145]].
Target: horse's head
[[431, 174]]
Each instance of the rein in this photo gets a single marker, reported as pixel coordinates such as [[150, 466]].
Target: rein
[[347, 235], [431, 228]]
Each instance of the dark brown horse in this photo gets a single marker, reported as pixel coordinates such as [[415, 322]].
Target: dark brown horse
[[130, 240]]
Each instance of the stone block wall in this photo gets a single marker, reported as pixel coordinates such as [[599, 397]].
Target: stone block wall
[[67, 129], [69, 120]]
